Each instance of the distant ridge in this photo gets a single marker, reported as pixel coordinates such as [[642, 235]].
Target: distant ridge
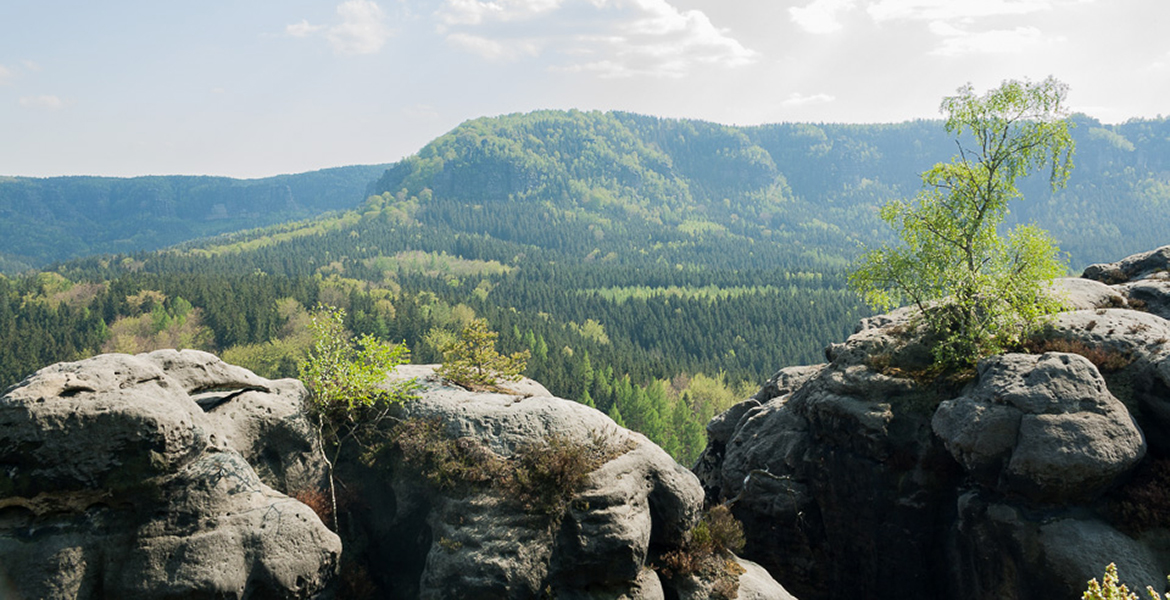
[[43, 220], [791, 179]]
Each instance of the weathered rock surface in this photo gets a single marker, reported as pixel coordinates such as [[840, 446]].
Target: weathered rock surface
[[1044, 427], [1132, 350], [477, 543], [1078, 293], [1137, 266], [1002, 549], [152, 476], [863, 478]]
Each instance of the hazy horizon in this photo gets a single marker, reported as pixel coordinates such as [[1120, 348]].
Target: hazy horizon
[[130, 88]]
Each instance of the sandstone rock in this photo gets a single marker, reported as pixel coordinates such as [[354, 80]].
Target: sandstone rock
[[754, 583], [1151, 295], [869, 479], [783, 382], [1002, 550], [1045, 427], [1128, 346], [1078, 293], [1075, 550], [479, 544], [708, 468], [1131, 267], [757, 584], [114, 482], [849, 450], [1128, 334]]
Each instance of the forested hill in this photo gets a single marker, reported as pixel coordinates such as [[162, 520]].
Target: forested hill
[[57, 218], [812, 187]]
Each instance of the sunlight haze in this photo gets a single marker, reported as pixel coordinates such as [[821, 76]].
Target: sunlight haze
[[250, 89]]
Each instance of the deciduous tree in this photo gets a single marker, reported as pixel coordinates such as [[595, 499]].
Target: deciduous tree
[[349, 395], [977, 290]]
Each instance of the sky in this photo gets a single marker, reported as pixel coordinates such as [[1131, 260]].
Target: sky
[[253, 88]]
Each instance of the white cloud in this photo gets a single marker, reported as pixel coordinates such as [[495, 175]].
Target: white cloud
[[494, 49], [798, 99], [676, 40], [5, 74], [821, 16], [303, 29], [956, 23], [48, 102], [475, 12], [362, 29], [959, 42], [611, 38], [933, 10]]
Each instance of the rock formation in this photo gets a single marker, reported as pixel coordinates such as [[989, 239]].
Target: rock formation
[[169, 475], [475, 540], [162, 475], [864, 478]]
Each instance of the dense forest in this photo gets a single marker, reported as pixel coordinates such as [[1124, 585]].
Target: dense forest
[[656, 269], [58, 218]]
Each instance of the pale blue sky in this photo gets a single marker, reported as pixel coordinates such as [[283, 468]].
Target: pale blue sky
[[251, 88]]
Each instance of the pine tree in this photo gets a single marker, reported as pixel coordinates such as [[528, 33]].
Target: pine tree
[[472, 361]]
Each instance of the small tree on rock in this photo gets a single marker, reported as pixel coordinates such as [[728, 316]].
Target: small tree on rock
[[348, 394], [977, 291], [471, 360]]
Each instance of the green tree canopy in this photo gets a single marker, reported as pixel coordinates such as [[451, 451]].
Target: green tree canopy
[[978, 291], [342, 377], [348, 393], [472, 359]]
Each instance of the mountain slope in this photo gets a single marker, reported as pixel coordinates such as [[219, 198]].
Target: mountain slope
[[58, 218], [814, 186]]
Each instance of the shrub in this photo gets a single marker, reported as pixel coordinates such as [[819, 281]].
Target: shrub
[[1144, 503], [348, 394], [1111, 589], [473, 362], [707, 553], [447, 463], [542, 476], [724, 530], [318, 500], [1105, 359], [345, 376], [550, 472]]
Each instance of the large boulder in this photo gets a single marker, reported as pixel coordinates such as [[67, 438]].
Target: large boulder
[[1137, 266], [477, 540], [129, 477], [1131, 349], [1044, 427], [1078, 293]]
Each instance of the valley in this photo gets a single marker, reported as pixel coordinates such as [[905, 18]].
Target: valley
[[657, 269]]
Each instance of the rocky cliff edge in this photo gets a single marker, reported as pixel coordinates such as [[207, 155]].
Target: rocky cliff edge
[[865, 477]]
